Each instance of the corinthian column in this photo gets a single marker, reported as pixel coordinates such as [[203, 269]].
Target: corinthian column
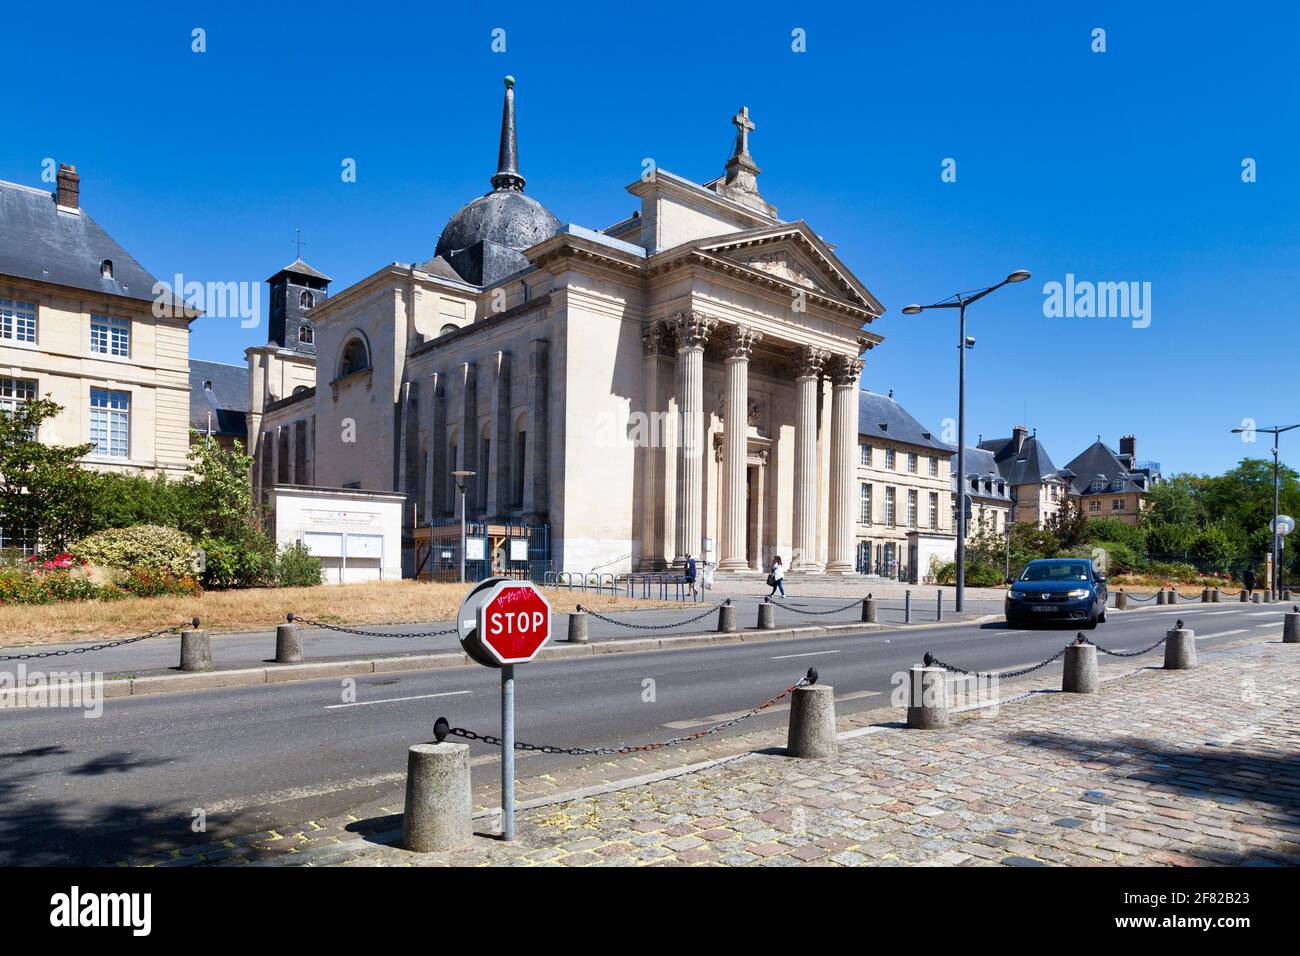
[[844, 371], [738, 342], [807, 369], [691, 329]]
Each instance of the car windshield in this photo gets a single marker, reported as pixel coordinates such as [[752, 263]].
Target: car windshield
[[1055, 571]]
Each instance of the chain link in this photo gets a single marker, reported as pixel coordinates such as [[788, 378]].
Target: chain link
[[1145, 650], [295, 619], [1140, 600], [932, 661], [639, 748], [799, 610], [66, 652], [650, 627]]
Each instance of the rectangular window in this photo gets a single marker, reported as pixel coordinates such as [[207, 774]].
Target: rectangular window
[[1094, 505], [934, 509], [864, 455], [889, 458], [110, 335], [110, 423], [911, 463], [934, 467], [17, 320], [16, 391], [889, 507], [911, 507], [1117, 504], [864, 506]]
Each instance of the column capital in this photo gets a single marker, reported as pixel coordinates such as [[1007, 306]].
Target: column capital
[[738, 341], [844, 370], [809, 361], [656, 339], [691, 329]]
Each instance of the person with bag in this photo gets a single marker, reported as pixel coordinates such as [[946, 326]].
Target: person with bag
[[776, 577]]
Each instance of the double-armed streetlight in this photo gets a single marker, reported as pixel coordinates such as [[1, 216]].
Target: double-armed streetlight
[[959, 302], [1275, 431], [461, 479]]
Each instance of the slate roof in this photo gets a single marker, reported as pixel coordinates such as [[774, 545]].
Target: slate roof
[[981, 464], [1100, 460], [220, 389], [39, 242], [298, 267], [880, 417], [1030, 467]]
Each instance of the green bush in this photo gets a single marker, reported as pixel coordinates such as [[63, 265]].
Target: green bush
[[145, 583], [1121, 558], [18, 586], [150, 547], [296, 567], [247, 561]]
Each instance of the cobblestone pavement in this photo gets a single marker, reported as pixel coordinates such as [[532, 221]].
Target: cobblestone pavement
[[1161, 768]]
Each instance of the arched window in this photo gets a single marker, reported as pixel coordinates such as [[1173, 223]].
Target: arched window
[[448, 328], [305, 334], [106, 268], [306, 299], [356, 357]]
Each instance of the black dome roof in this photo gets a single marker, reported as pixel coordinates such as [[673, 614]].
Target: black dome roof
[[505, 217], [485, 241]]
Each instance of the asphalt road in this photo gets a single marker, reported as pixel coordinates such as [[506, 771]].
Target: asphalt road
[[81, 790]]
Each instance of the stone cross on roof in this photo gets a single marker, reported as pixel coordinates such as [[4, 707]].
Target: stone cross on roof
[[744, 126]]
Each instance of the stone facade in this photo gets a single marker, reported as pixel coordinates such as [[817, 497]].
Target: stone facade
[[687, 377]]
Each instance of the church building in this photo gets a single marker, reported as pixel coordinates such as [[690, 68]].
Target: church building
[[682, 382]]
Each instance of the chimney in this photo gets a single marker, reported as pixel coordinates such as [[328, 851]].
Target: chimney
[[69, 194], [1018, 435], [1128, 450]]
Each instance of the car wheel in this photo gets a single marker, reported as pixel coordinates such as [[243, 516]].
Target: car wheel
[[1091, 623], [1101, 618]]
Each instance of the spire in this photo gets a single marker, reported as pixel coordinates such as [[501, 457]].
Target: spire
[[507, 176], [740, 184]]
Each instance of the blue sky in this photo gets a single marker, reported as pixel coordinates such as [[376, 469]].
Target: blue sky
[[1122, 166]]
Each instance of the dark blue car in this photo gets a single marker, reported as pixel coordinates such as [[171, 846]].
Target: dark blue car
[[1057, 589]]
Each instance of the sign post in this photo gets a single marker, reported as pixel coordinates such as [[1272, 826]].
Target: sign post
[[503, 623]]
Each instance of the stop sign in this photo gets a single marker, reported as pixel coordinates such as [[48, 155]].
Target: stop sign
[[512, 621]]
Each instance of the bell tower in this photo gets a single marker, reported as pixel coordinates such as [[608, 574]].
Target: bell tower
[[295, 291]]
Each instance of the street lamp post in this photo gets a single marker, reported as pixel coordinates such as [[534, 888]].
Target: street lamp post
[[959, 302], [460, 477], [1275, 431]]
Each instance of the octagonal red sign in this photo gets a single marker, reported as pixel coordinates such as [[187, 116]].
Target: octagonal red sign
[[513, 622]]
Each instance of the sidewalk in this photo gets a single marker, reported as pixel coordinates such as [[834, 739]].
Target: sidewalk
[[1160, 768]]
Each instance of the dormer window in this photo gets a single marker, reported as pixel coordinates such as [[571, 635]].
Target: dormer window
[[306, 300], [106, 268], [1098, 484], [1117, 484]]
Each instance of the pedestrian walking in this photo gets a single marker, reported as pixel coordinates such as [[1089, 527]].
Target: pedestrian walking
[[776, 577], [689, 576], [1248, 581]]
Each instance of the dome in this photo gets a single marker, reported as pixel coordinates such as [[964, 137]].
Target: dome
[[505, 217], [485, 241]]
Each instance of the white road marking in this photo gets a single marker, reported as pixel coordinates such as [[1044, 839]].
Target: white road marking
[[786, 657], [1240, 630], [1217, 613], [719, 718], [397, 700], [1274, 624], [1262, 613]]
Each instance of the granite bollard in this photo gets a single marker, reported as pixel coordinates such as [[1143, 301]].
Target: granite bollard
[[196, 649], [927, 697], [812, 721], [766, 617], [727, 618], [439, 808], [1180, 649], [578, 626], [1079, 674], [288, 643]]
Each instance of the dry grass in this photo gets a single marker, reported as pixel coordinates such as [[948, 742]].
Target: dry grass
[[260, 609]]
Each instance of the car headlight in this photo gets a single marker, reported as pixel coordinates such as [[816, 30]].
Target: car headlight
[[1077, 593], [1016, 595]]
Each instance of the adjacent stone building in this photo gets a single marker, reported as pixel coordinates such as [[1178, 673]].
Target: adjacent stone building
[[1038, 488], [684, 381], [1110, 484], [83, 323]]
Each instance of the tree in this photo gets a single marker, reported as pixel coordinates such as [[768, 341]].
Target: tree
[[1069, 524], [217, 497], [42, 486]]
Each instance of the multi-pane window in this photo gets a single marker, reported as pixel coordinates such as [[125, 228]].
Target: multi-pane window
[[110, 335], [17, 320], [864, 455], [934, 467], [934, 508], [1117, 504], [889, 507], [15, 391], [889, 458], [911, 462], [911, 507], [110, 423], [864, 503], [1094, 505]]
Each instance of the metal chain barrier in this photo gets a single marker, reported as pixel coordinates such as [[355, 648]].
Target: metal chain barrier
[[932, 661], [650, 627], [66, 652], [1141, 600], [295, 619], [1145, 650], [441, 729], [799, 610]]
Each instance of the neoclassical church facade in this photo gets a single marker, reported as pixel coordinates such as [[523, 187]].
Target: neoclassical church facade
[[684, 381]]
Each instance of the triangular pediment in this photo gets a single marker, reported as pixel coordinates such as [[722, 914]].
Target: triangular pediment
[[793, 253]]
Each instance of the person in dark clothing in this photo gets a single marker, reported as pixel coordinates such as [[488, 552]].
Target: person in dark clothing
[[689, 576], [1248, 580]]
